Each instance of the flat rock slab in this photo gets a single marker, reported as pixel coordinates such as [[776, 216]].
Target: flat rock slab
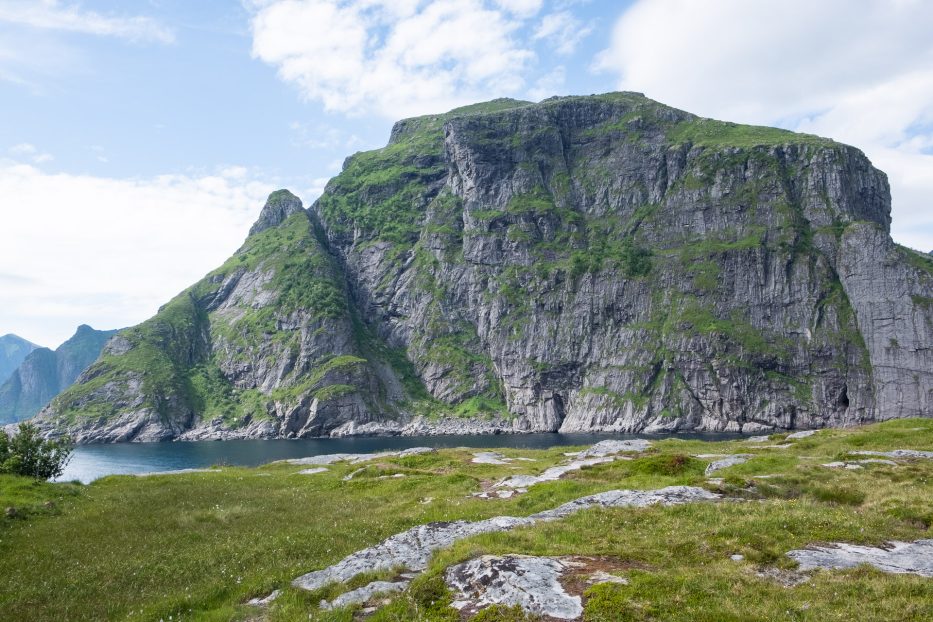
[[532, 583], [728, 461], [354, 458], [802, 434], [853, 465], [897, 453], [500, 494], [313, 471], [364, 594], [600, 453], [552, 474], [894, 557], [413, 548], [612, 447], [489, 457]]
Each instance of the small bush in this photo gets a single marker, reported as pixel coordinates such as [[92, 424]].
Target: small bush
[[840, 496], [30, 455], [668, 464]]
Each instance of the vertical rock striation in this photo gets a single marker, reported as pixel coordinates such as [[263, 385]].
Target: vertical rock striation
[[585, 263]]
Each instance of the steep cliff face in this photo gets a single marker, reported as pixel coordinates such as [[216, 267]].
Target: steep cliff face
[[45, 373], [586, 263], [13, 351]]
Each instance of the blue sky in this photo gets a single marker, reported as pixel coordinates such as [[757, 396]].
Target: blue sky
[[138, 139]]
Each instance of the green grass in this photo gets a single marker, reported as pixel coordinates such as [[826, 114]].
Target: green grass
[[712, 133], [198, 546], [920, 261]]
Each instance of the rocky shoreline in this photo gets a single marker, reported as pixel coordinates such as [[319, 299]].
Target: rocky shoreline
[[139, 430]]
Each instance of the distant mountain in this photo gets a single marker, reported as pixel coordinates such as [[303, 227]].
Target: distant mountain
[[13, 351], [44, 373]]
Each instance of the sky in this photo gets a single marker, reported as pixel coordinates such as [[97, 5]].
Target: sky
[[139, 138]]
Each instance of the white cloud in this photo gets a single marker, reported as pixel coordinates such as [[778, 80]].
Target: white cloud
[[54, 15], [563, 30], [862, 74], [394, 58], [110, 251], [522, 8], [548, 85], [27, 150]]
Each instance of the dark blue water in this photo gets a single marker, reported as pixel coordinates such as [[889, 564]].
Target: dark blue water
[[90, 462]]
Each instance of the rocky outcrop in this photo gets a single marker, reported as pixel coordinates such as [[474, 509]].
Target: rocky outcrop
[[278, 208], [412, 549], [45, 373], [532, 583], [894, 557], [585, 263]]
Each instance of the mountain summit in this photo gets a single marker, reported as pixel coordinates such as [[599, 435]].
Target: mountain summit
[[580, 264]]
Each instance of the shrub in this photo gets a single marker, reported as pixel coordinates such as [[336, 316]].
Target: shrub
[[29, 454]]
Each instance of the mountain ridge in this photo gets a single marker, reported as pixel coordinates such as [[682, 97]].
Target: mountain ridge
[[44, 373], [584, 263], [13, 349]]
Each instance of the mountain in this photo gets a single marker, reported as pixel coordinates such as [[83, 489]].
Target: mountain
[[584, 263], [13, 351], [44, 373]]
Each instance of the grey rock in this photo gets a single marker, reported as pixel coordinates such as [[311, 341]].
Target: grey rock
[[412, 549], [357, 458], [802, 434], [601, 576], [279, 206], [895, 557], [264, 601], [897, 453], [364, 594], [611, 447], [857, 464], [671, 495], [489, 457], [552, 474], [728, 461], [532, 583], [313, 471]]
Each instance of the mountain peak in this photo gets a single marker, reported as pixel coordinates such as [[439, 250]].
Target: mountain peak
[[280, 205]]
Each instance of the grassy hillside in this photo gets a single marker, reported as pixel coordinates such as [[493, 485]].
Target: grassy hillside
[[198, 546]]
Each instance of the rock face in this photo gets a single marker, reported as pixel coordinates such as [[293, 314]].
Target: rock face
[[45, 373], [13, 351], [585, 263]]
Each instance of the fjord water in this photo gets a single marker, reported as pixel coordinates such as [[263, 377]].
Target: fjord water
[[91, 462]]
